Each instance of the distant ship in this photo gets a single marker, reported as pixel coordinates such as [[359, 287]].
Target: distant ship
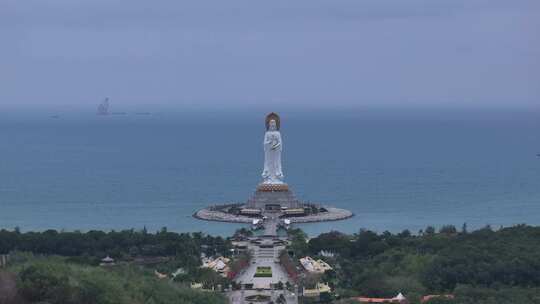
[[103, 108]]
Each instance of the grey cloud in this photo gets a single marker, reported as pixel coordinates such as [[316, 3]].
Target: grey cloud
[[328, 53]]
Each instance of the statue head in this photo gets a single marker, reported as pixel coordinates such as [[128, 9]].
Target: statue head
[[272, 125], [276, 121]]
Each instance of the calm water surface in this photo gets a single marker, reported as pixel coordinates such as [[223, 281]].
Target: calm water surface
[[393, 170]]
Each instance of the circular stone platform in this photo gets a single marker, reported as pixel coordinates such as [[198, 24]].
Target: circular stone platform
[[332, 214]]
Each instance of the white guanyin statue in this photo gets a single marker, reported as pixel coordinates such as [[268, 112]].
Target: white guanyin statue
[[273, 146]]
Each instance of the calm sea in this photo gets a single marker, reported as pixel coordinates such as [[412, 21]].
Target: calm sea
[[395, 170]]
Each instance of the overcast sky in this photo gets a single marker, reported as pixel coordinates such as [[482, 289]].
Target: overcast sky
[[234, 53]]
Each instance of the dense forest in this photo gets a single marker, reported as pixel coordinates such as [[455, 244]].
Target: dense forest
[[62, 267], [54, 280], [92, 246], [483, 266]]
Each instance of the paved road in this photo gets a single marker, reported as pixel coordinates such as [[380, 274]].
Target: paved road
[[264, 254], [238, 296]]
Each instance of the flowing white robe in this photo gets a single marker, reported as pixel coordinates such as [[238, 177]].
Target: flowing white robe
[[273, 146]]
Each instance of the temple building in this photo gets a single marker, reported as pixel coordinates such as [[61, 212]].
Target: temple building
[[314, 266], [273, 197]]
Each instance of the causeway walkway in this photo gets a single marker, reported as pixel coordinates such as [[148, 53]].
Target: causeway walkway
[[271, 223]]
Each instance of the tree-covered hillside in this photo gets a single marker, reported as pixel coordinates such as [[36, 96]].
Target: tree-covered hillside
[[483, 266], [62, 267], [95, 245], [55, 281]]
